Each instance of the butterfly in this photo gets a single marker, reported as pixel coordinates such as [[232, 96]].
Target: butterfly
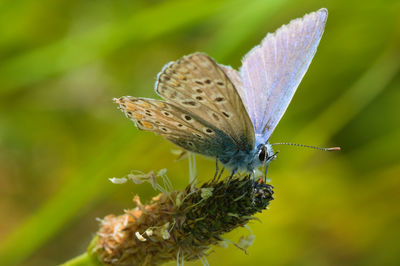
[[216, 111]]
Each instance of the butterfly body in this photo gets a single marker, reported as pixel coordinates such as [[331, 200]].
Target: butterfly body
[[247, 160], [214, 110]]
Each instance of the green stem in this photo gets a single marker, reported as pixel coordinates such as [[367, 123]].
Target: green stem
[[89, 258], [80, 260]]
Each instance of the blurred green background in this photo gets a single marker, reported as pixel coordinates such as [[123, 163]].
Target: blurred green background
[[62, 137]]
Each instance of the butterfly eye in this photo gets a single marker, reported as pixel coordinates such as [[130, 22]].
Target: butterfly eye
[[262, 154]]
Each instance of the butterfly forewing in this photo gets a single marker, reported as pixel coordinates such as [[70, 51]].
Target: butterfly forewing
[[175, 125], [272, 71], [199, 86]]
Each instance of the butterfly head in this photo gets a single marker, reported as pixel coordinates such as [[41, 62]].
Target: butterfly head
[[263, 155]]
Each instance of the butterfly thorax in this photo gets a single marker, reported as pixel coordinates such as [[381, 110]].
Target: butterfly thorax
[[247, 160]]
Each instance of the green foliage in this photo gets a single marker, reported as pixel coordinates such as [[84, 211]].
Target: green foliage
[[61, 137]]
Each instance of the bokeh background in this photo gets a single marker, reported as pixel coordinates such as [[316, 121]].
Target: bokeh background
[[62, 137]]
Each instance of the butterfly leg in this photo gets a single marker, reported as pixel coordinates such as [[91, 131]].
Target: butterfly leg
[[233, 173], [216, 170], [253, 174], [231, 177], [269, 159], [253, 177], [220, 173], [265, 173]]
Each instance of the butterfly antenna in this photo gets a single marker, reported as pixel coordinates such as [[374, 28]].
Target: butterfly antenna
[[307, 146]]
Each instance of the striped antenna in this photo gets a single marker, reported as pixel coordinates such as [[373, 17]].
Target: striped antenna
[[307, 146]]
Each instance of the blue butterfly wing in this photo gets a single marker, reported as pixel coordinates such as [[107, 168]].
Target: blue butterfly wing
[[272, 71]]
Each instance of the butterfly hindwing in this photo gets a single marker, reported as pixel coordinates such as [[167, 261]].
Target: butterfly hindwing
[[198, 85], [175, 125], [236, 79], [272, 71]]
